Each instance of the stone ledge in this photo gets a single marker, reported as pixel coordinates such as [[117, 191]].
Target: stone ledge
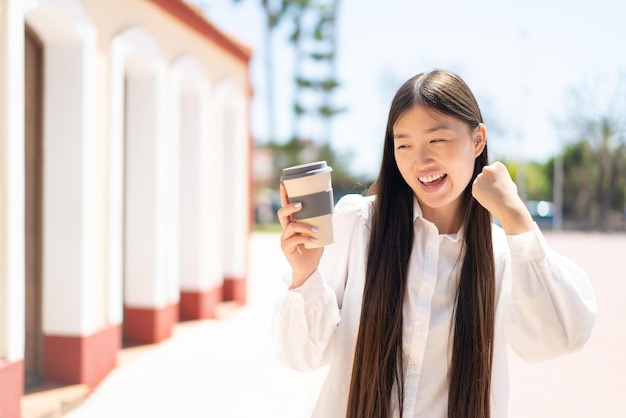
[[53, 401]]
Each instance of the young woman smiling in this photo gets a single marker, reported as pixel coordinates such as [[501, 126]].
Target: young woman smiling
[[415, 303]]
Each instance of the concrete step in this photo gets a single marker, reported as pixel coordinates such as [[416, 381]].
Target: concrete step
[[53, 401]]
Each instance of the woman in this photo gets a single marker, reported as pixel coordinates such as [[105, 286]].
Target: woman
[[414, 304]]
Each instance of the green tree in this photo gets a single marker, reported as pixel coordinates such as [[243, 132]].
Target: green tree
[[594, 184], [579, 177], [314, 42], [313, 37], [595, 161], [538, 178]]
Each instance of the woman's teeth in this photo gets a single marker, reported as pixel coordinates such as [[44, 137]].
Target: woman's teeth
[[430, 179]]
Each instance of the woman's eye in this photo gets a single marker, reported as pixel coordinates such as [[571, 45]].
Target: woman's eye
[[402, 146]]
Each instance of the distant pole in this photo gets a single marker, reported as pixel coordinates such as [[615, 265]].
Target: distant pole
[[268, 62], [332, 73], [557, 193], [524, 69]]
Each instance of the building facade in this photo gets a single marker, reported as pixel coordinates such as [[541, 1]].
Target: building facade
[[125, 192]]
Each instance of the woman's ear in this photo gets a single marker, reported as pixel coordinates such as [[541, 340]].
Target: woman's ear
[[479, 136]]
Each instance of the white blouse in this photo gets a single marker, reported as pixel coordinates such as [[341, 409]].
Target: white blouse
[[544, 307]]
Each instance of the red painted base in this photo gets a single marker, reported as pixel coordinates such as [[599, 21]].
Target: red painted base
[[200, 305], [81, 359], [235, 289], [11, 388], [149, 325]]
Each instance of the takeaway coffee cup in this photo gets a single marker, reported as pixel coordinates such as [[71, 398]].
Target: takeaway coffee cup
[[311, 185]]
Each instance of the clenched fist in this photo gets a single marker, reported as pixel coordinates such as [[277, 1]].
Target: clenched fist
[[495, 191]]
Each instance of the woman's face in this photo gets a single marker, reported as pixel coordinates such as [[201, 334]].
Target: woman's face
[[435, 154]]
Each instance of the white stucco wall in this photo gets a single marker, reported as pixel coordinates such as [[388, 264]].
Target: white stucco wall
[[210, 65], [143, 167], [201, 249], [11, 180], [144, 257], [72, 227], [85, 66], [231, 115]]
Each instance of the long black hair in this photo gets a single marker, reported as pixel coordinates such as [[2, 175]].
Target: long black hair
[[378, 362]]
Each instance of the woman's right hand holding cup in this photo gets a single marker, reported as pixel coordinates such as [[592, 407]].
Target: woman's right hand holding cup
[[303, 261]]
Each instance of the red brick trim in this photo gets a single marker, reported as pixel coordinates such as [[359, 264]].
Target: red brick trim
[[193, 19], [200, 304], [11, 388], [81, 359], [149, 325], [235, 289]]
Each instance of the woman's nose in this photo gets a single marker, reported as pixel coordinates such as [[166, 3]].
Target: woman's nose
[[422, 155]]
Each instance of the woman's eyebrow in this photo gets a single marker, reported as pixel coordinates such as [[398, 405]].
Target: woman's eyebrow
[[399, 136], [439, 127]]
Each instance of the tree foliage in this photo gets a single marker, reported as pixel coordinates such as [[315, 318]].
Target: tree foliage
[[538, 178], [594, 165], [595, 161], [594, 184], [314, 43]]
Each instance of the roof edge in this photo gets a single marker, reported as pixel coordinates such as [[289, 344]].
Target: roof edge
[[192, 18]]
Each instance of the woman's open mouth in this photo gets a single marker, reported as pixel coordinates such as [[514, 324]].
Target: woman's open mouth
[[434, 180]]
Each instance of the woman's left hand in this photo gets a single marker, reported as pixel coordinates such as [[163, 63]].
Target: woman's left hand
[[495, 191]]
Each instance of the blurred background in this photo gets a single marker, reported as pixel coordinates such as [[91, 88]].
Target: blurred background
[[548, 76]]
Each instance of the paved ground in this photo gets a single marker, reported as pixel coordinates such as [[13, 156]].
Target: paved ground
[[591, 383], [226, 368]]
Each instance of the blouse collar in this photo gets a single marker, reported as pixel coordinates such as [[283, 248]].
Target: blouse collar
[[418, 214]]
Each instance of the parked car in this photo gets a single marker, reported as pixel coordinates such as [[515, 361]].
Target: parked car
[[542, 212]]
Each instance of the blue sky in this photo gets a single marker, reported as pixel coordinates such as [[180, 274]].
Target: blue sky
[[521, 59]]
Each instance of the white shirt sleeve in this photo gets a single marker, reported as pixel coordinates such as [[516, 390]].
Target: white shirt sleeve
[[306, 319], [305, 324], [551, 305]]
